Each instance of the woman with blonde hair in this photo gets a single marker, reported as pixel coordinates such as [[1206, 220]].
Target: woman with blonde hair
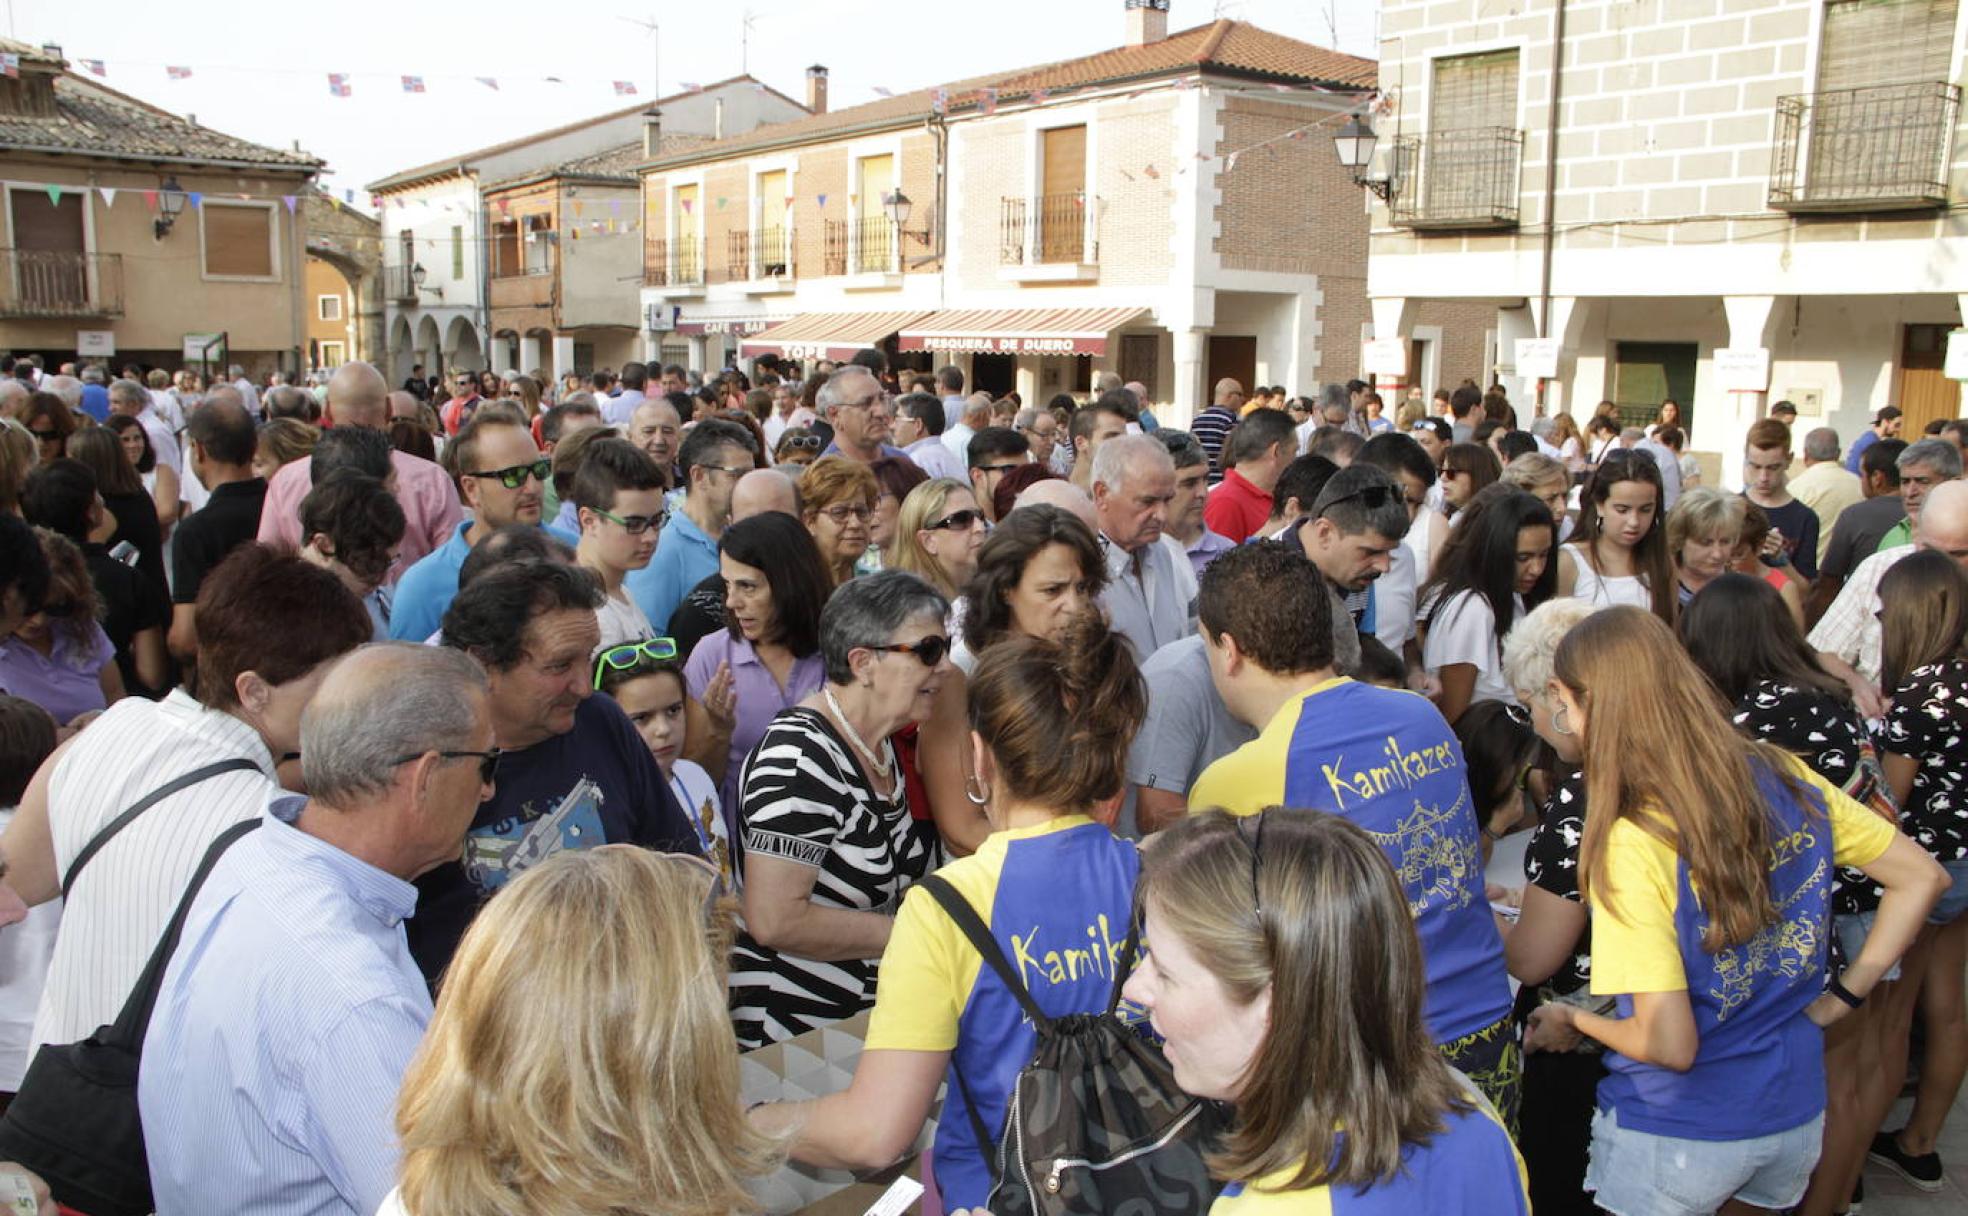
[[837, 497], [1283, 971], [1570, 442], [1702, 531], [283, 441], [1716, 1088], [937, 534], [580, 1059], [18, 454]]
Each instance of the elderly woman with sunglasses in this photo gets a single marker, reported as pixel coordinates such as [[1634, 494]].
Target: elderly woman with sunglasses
[[829, 843]]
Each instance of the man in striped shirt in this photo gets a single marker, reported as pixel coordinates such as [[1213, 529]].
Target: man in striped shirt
[[1214, 423]]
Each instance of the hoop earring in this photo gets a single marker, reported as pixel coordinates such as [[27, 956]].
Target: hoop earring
[[1559, 722], [982, 796]]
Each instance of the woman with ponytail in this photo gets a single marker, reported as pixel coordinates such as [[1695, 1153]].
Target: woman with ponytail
[[1706, 865], [1050, 724]]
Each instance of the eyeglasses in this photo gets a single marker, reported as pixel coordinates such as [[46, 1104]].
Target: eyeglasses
[[962, 521], [634, 525], [801, 443], [840, 513], [929, 650], [488, 761], [47, 436], [1257, 861], [1517, 714], [628, 654], [514, 477]]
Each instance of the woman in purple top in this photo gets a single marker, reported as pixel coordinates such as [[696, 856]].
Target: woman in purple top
[[59, 657], [768, 656]]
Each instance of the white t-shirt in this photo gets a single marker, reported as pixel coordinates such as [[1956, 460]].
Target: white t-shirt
[[697, 794], [621, 620], [25, 949], [1463, 630]]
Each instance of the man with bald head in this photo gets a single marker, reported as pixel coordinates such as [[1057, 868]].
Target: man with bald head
[[654, 427], [1847, 638], [1133, 485], [359, 396], [404, 405], [1058, 492], [1213, 425]]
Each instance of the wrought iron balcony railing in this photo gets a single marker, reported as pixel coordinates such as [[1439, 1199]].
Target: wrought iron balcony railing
[[677, 262], [1049, 229], [866, 245], [51, 283], [399, 284], [1457, 180], [1877, 149], [760, 253]]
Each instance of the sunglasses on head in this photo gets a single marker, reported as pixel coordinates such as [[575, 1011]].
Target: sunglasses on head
[[628, 654], [1374, 497], [515, 476], [807, 443], [929, 650], [960, 520], [488, 761]]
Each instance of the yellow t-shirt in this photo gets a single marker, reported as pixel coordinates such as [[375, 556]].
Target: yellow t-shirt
[[1636, 948]]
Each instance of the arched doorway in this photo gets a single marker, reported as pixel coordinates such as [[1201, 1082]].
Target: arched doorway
[[461, 346], [429, 353], [401, 353]]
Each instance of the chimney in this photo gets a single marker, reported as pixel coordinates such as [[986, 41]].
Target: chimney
[[1147, 21], [652, 134], [51, 49], [816, 89]]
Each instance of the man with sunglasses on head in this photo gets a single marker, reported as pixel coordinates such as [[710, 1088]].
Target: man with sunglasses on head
[[715, 455], [617, 494], [1357, 522], [503, 478], [994, 452], [573, 771]]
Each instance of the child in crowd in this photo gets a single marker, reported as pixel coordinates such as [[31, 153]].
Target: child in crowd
[[646, 680]]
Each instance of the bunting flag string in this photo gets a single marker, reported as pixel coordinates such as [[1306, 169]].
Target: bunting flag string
[[413, 84], [625, 88], [490, 82], [338, 84], [176, 72], [94, 66]]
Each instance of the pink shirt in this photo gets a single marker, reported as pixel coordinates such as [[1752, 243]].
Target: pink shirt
[[425, 492]]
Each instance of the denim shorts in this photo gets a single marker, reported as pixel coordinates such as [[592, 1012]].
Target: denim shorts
[[1852, 929], [1954, 900], [1640, 1174]]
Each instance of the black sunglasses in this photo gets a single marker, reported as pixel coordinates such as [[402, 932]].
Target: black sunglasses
[[1375, 497], [962, 521], [488, 761], [515, 476], [929, 651], [48, 436]]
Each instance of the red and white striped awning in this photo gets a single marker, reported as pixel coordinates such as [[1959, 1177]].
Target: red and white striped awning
[[1018, 331], [827, 335]]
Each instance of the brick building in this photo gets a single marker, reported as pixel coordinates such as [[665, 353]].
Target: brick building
[[1170, 209], [1734, 202]]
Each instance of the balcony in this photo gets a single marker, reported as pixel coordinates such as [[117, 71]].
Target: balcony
[[1878, 149], [762, 258], [398, 285], [867, 250], [1053, 238], [677, 264], [1457, 181], [50, 283]]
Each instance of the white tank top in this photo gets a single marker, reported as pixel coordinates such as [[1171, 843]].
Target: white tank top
[[1606, 590], [1421, 535]]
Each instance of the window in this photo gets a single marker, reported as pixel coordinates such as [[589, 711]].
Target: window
[[505, 249], [238, 240], [1471, 155], [1062, 193], [331, 355], [539, 244], [1870, 43], [328, 308], [457, 252]]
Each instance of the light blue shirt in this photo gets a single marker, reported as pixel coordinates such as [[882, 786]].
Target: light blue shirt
[[286, 1019], [936, 460], [685, 556], [427, 588]]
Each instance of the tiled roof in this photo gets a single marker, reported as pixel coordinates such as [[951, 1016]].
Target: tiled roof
[[439, 168], [617, 164], [92, 120], [1225, 47]]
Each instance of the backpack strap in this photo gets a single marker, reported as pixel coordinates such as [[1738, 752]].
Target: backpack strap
[[980, 937], [143, 804], [134, 1019], [1124, 966]]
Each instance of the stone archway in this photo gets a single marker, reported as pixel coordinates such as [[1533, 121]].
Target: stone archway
[[401, 353], [461, 346], [428, 351]]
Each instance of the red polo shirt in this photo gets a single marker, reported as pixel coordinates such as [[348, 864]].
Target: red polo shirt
[[1236, 508]]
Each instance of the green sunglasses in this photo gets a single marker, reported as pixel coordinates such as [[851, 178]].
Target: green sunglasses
[[628, 654]]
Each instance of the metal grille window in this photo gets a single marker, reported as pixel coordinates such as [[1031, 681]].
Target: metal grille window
[[1463, 173]]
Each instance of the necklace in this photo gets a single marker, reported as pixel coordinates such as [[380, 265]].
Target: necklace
[[884, 768]]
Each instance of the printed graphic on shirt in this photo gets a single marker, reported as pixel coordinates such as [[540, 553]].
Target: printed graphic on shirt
[[1792, 948], [500, 851]]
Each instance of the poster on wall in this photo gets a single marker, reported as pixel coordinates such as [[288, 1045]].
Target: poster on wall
[[95, 343], [1743, 369]]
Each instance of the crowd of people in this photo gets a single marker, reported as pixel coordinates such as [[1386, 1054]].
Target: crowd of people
[[459, 777]]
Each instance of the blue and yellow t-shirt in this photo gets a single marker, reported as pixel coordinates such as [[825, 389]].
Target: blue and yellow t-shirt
[[1760, 1067], [1388, 761], [1057, 898], [1471, 1169]]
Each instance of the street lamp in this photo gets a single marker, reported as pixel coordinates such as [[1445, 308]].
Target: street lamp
[[417, 276], [1355, 145], [170, 203], [898, 207]]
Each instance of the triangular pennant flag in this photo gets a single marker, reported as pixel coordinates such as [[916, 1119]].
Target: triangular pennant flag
[[577, 206], [555, 80], [178, 73], [722, 201], [95, 66], [687, 204], [490, 82], [197, 199], [54, 194], [338, 84], [1280, 88], [881, 92], [625, 88], [292, 202], [150, 199], [108, 195], [1182, 85], [1039, 95], [823, 202], [413, 84], [1230, 162], [691, 86], [348, 196], [939, 100]]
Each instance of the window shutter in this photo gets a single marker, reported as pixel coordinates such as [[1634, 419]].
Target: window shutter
[[1474, 91], [1869, 43], [238, 240]]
